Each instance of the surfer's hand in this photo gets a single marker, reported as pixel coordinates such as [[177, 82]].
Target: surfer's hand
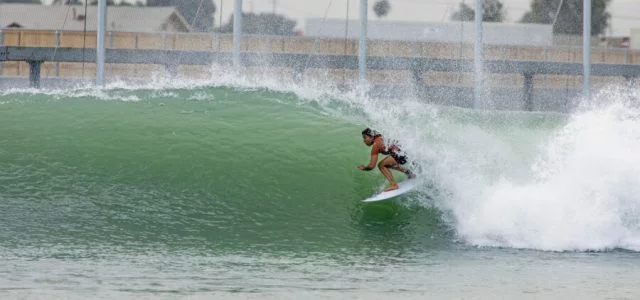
[[362, 167]]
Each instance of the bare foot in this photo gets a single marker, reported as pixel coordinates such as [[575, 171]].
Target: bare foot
[[391, 187]]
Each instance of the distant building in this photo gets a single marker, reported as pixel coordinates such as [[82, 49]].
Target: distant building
[[446, 32], [635, 38], [615, 42], [72, 18]]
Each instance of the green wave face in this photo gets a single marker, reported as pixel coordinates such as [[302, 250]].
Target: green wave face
[[205, 168], [237, 169]]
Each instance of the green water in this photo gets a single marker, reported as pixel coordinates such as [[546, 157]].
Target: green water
[[233, 172], [234, 192]]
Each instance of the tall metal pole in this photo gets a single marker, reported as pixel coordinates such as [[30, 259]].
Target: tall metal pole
[[237, 34], [362, 58], [586, 47], [477, 88], [57, 65], [1, 44], [102, 24]]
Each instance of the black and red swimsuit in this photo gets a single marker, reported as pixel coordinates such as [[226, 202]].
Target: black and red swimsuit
[[393, 152]]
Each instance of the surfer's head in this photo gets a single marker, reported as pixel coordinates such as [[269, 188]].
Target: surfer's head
[[368, 135]]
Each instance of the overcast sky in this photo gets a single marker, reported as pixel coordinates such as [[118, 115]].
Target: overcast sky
[[625, 13]]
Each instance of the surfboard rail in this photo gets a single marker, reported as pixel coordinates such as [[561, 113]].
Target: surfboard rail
[[403, 187]]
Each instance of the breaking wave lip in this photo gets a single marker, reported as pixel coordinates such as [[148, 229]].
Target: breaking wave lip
[[221, 76]]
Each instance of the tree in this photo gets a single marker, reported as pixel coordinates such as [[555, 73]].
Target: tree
[[198, 13], [22, 1], [382, 8], [569, 19], [464, 13], [264, 23], [492, 11]]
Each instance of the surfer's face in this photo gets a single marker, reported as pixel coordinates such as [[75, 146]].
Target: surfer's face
[[367, 140]]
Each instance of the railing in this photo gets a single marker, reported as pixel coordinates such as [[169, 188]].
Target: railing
[[216, 42]]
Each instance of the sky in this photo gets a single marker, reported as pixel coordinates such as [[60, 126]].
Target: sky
[[625, 13]]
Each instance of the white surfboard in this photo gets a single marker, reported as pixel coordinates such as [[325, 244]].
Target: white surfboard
[[403, 187]]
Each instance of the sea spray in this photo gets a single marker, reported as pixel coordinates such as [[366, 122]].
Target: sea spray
[[583, 190]]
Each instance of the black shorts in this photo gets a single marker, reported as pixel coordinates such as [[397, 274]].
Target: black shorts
[[400, 159]]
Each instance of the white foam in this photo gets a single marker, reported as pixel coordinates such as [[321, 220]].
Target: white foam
[[583, 191]]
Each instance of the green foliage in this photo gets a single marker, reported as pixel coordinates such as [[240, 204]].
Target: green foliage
[[492, 11], [382, 8], [198, 13], [264, 23], [464, 13], [569, 20]]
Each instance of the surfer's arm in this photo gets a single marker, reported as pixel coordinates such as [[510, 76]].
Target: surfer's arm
[[372, 161]]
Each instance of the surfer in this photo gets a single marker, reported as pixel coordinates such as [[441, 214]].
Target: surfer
[[394, 160]]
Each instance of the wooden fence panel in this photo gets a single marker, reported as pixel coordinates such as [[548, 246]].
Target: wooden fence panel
[[121, 40], [635, 57], [151, 41], [38, 39], [77, 39], [194, 42], [12, 37]]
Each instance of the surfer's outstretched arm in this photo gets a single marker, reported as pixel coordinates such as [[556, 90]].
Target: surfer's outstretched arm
[[371, 165]]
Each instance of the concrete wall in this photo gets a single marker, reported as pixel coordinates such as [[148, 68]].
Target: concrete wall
[[446, 32]]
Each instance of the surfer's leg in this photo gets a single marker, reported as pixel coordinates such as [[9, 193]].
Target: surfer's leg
[[401, 160], [405, 171], [384, 165]]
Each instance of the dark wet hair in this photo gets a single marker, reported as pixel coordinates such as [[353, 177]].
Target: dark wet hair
[[370, 132]]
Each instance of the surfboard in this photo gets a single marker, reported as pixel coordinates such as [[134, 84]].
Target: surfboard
[[403, 187]]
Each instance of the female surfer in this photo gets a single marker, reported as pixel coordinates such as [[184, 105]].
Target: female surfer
[[393, 160]]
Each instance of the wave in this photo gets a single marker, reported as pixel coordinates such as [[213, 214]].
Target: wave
[[236, 162]]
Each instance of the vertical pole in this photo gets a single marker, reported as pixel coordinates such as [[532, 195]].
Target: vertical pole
[[34, 74], [164, 40], [363, 42], [1, 44], [102, 23], [218, 42], [477, 88], [528, 91], [237, 34], [111, 38], [586, 47], [631, 81], [57, 66], [418, 82]]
